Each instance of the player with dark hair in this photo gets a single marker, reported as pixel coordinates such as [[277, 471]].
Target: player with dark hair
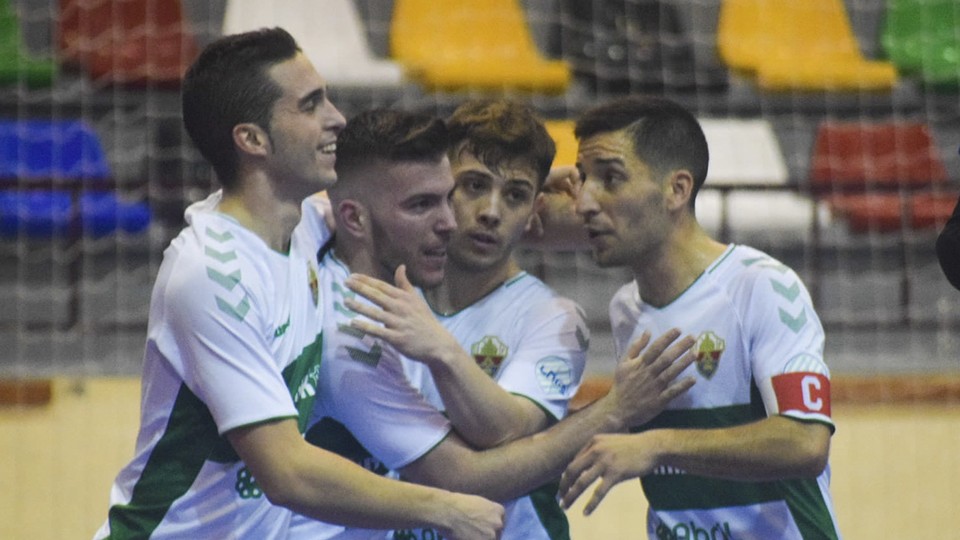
[[744, 454], [394, 212], [233, 341]]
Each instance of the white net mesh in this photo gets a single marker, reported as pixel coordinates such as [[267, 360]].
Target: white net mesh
[[77, 294]]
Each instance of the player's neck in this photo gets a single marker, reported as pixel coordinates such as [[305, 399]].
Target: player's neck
[[679, 262], [462, 286], [256, 208]]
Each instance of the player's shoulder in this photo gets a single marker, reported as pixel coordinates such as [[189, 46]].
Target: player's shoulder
[[525, 289], [745, 265], [216, 260]]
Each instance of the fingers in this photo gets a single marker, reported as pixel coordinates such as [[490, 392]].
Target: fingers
[[598, 494], [660, 345], [637, 345], [367, 310], [400, 279], [373, 289], [576, 479]]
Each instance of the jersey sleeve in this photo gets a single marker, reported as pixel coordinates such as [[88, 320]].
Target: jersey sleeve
[[217, 336], [786, 342], [363, 386], [548, 365]]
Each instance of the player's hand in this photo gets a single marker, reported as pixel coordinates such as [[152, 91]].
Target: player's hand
[[472, 518], [555, 224], [406, 321], [646, 380], [609, 458]]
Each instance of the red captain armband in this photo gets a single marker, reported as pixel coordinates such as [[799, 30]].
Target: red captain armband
[[802, 392]]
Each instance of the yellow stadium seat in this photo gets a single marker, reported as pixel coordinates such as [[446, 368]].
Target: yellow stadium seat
[[562, 133], [472, 45], [797, 45]]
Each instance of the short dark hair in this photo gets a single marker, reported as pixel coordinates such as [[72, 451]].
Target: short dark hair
[[498, 131], [665, 135], [228, 85], [390, 135]]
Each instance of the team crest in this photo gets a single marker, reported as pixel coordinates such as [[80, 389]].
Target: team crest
[[314, 284], [489, 353], [708, 349]]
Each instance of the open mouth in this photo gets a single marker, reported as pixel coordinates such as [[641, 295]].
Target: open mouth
[[329, 148], [483, 239]]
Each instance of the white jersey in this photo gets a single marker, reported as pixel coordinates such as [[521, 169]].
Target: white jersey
[[534, 344], [233, 339], [365, 405], [759, 353]]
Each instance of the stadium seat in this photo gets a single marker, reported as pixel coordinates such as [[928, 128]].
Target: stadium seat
[[330, 32], [791, 45], [920, 37], [879, 176], [481, 45], [850, 156], [747, 196], [16, 64], [42, 164], [134, 43], [617, 46]]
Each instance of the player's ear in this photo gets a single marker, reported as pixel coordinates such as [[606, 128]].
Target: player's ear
[[251, 139], [678, 189], [534, 225], [352, 217]]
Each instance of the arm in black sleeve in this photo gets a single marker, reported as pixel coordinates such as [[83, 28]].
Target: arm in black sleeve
[[948, 248]]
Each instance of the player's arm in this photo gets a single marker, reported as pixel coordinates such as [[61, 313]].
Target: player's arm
[[643, 385], [776, 447], [317, 483], [483, 413], [948, 248]]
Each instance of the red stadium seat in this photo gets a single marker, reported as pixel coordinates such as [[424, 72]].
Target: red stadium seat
[[126, 42], [871, 173]]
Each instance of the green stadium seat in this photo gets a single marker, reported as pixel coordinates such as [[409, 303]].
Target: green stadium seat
[[921, 38], [16, 64]]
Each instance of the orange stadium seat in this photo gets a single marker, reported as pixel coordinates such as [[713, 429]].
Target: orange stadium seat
[[562, 133], [791, 45], [472, 44], [126, 42]]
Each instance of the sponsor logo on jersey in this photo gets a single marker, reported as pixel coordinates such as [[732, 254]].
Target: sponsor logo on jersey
[[314, 284], [555, 375], [708, 348], [308, 385], [489, 353], [718, 531]]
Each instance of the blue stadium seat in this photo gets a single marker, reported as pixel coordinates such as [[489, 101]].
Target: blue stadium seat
[[43, 165]]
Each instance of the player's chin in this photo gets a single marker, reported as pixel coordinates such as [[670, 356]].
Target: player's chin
[[428, 275]]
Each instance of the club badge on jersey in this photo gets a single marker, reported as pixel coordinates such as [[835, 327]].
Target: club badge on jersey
[[489, 353], [709, 347], [314, 283]]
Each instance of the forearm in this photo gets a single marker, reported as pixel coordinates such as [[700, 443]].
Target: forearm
[[948, 248], [516, 468], [322, 485], [771, 449], [482, 412]]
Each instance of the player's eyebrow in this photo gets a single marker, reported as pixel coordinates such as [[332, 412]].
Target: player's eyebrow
[[313, 97]]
